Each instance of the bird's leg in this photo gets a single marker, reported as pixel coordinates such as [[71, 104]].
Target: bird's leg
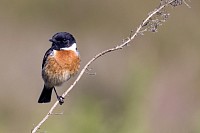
[[60, 98]]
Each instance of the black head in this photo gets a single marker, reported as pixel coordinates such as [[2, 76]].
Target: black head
[[62, 40]]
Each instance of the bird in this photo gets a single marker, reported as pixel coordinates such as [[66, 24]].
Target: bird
[[61, 61]]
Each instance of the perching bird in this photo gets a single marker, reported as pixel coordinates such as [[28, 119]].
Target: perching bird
[[60, 62]]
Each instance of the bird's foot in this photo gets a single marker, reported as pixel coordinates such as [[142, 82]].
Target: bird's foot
[[60, 99]]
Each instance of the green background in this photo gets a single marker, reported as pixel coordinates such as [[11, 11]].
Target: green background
[[152, 86]]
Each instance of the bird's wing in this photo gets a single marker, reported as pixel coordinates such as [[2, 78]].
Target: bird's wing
[[48, 53]]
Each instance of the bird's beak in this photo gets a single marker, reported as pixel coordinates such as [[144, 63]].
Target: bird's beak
[[52, 40]]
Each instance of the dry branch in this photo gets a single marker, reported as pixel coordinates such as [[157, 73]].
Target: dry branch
[[151, 23]]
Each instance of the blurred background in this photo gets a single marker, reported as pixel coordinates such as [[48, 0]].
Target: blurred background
[[152, 86]]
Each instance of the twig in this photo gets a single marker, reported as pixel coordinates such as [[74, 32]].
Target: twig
[[89, 73], [142, 28]]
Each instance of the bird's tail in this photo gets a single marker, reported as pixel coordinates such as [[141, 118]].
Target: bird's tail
[[45, 96]]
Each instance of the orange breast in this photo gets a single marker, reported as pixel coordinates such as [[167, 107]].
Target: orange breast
[[60, 67], [68, 60]]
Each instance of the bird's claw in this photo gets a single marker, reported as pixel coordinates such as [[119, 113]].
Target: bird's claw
[[60, 99]]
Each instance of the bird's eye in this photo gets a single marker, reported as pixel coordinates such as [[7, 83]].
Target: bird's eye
[[64, 40]]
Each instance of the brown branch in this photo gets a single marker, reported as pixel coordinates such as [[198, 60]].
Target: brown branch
[[144, 26]]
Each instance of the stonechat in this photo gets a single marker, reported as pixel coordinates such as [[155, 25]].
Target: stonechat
[[60, 62]]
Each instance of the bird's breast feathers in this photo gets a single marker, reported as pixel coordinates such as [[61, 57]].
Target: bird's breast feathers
[[64, 60], [60, 65], [67, 60]]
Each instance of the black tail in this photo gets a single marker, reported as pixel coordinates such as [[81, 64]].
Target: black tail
[[45, 96]]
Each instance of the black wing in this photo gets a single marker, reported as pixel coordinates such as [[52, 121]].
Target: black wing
[[46, 56]]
